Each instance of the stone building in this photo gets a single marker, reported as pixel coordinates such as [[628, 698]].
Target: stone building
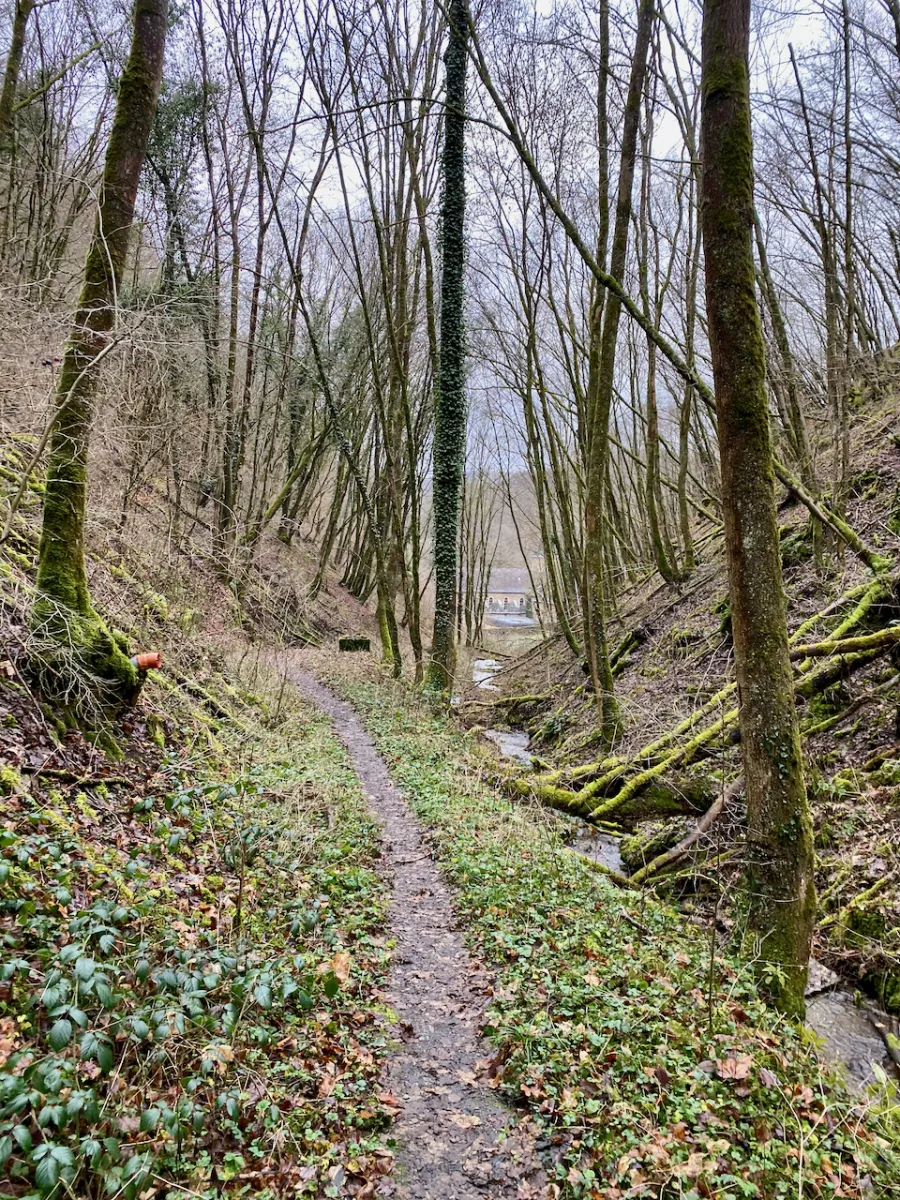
[[510, 591]]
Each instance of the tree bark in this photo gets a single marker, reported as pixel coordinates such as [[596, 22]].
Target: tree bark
[[450, 406], [63, 613], [24, 9], [780, 849], [600, 392]]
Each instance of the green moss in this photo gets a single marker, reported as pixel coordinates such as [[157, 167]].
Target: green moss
[[156, 606], [888, 774], [865, 925], [80, 663], [105, 741], [156, 730], [797, 546], [188, 619], [356, 644], [10, 782], [683, 639], [20, 560], [865, 482], [885, 987], [650, 839], [893, 521]]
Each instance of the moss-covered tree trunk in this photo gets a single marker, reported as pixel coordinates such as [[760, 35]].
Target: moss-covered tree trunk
[[601, 381], [450, 405], [63, 618], [779, 835], [24, 9]]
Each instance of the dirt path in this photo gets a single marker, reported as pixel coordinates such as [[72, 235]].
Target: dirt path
[[450, 1128]]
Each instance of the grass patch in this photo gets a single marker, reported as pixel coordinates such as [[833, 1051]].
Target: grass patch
[[655, 1066]]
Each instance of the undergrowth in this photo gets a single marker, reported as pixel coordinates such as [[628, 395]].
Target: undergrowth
[[190, 961], [644, 1048]]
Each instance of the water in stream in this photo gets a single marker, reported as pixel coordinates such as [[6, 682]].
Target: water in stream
[[510, 744], [483, 672]]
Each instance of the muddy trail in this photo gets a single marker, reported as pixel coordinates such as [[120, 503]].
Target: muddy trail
[[455, 1140]]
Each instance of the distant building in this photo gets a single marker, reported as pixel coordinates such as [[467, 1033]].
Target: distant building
[[510, 591]]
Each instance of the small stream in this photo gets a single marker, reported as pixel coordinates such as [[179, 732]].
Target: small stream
[[511, 743], [847, 1033], [483, 672]]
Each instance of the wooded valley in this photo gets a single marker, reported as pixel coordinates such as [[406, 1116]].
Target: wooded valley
[[450, 599]]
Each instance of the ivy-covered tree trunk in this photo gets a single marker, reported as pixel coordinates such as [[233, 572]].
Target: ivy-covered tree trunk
[[24, 9], [68, 634], [779, 835], [450, 405], [601, 382]]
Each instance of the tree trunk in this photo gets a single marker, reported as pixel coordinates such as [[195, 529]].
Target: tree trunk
[[450, 406], [780, 850], [600, 392], [64, 622], [24, 9]]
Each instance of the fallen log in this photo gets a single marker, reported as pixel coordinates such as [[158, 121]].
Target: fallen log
[[676, 853], [590, 805], [884, 638]]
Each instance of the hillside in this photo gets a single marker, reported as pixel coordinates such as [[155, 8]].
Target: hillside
[[673, 655]]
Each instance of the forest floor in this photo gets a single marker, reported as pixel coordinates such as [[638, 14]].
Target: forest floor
[[640, 1051], [285, 936]]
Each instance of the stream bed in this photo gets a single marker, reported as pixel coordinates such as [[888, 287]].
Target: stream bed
[[847, 1033]]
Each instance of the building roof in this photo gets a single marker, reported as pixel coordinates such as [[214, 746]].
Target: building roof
[[512, 581]]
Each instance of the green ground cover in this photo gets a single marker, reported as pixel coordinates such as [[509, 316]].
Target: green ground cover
[[191, 958], [644, 1048]]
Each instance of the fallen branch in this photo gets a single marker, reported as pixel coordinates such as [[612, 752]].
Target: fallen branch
[[73, 778], [857, 901], [854, 706], [608, 872], [870, 641], [676, 853], [507, 701], [583, 803]]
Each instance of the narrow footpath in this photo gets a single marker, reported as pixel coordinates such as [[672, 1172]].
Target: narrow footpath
[[455, 1139]]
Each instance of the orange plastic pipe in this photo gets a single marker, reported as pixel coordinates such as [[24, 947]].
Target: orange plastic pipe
[[148, 662]]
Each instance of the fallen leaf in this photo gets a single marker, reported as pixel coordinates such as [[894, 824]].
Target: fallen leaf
[[340, 965], [390, 1101], [465, 1120], [692, 1168], [221, 1056], [734, 1068]]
